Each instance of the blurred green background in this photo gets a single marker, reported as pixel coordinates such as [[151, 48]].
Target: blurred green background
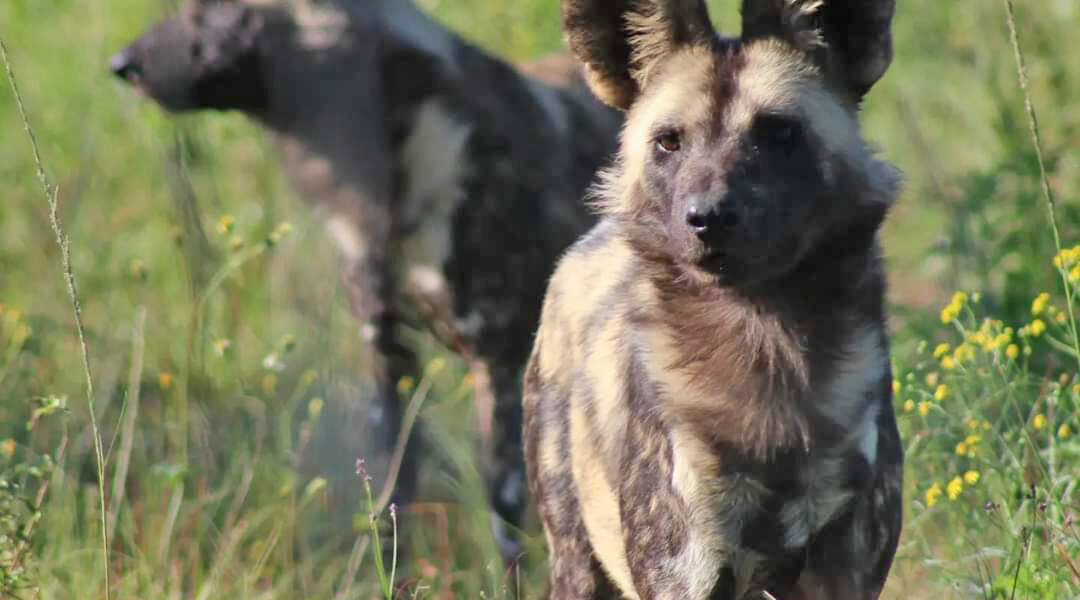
[[224, 495]]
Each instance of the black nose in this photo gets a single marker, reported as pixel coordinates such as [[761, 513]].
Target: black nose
[[123, 66], [708, 221]]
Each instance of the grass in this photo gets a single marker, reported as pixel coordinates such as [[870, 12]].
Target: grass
[[228, 384]]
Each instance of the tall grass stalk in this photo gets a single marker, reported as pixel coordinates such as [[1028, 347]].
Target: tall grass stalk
[[51, 192], [1048, 192]]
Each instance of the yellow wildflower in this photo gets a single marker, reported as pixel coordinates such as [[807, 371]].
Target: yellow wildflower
[[971, 477], [222, 346], [1038, 305], [165, 380], [1039, 421], [952, 310], [954, 488], [941, 350], [269, 383], [436, 366], [1037, 327], [964, 353], [949, 314], [1012, 351], [998, 341], [961, 449], [924, 408], [895, 386], [1074, 274], [7, 448], [931, 379], [941, 393], [226, 224], [314, 407], [909, 405], [933, 494], [972, 424], [1064, 431], [405, 385], [973, 439], [948, 363]]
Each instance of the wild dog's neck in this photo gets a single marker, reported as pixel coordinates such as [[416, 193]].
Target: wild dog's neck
[[772, 349]]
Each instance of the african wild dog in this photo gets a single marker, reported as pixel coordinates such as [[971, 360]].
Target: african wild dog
[[708, 401], [450, 180]]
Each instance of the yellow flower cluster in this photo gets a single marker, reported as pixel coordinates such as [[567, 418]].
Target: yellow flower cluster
[[7, 448], [932, 494], [226, 224], [1039, 304], [1039, 421], [941, 393], [970, 446], [1064, 431], [1069, 260], [1067, 257], [952, 310], [953, 489]]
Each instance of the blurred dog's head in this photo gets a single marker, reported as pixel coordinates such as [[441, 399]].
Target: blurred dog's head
[[206, 57]]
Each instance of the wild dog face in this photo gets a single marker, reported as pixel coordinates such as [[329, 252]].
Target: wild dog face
[[202, 58], [739, 156]]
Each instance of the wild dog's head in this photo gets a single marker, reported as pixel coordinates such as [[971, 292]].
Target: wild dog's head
[[203, 58], [741, 157]]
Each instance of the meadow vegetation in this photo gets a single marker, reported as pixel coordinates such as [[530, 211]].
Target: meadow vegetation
[[227, 370]]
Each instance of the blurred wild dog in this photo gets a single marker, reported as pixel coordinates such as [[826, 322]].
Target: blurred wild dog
[[708, 402], [450, 180]]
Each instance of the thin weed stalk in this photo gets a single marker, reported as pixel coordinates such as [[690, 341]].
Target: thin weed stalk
[[1048, 192], [51, 193]]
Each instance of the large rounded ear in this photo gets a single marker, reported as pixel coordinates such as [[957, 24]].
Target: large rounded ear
[[621, 41], [850, 39]]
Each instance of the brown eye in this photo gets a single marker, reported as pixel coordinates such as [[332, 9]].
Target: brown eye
[[669, 141]]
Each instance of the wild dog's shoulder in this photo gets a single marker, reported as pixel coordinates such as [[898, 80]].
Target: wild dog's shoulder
[[587, 289]]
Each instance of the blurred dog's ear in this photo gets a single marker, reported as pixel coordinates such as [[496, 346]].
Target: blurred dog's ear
[[621, 42], [850, 39]]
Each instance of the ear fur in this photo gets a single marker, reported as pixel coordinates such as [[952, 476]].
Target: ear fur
[[620, 42], [850, 39]]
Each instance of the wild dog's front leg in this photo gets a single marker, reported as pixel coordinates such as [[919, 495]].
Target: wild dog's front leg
[[575, 573], [654, 520], [394, 361], [508, 482]]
